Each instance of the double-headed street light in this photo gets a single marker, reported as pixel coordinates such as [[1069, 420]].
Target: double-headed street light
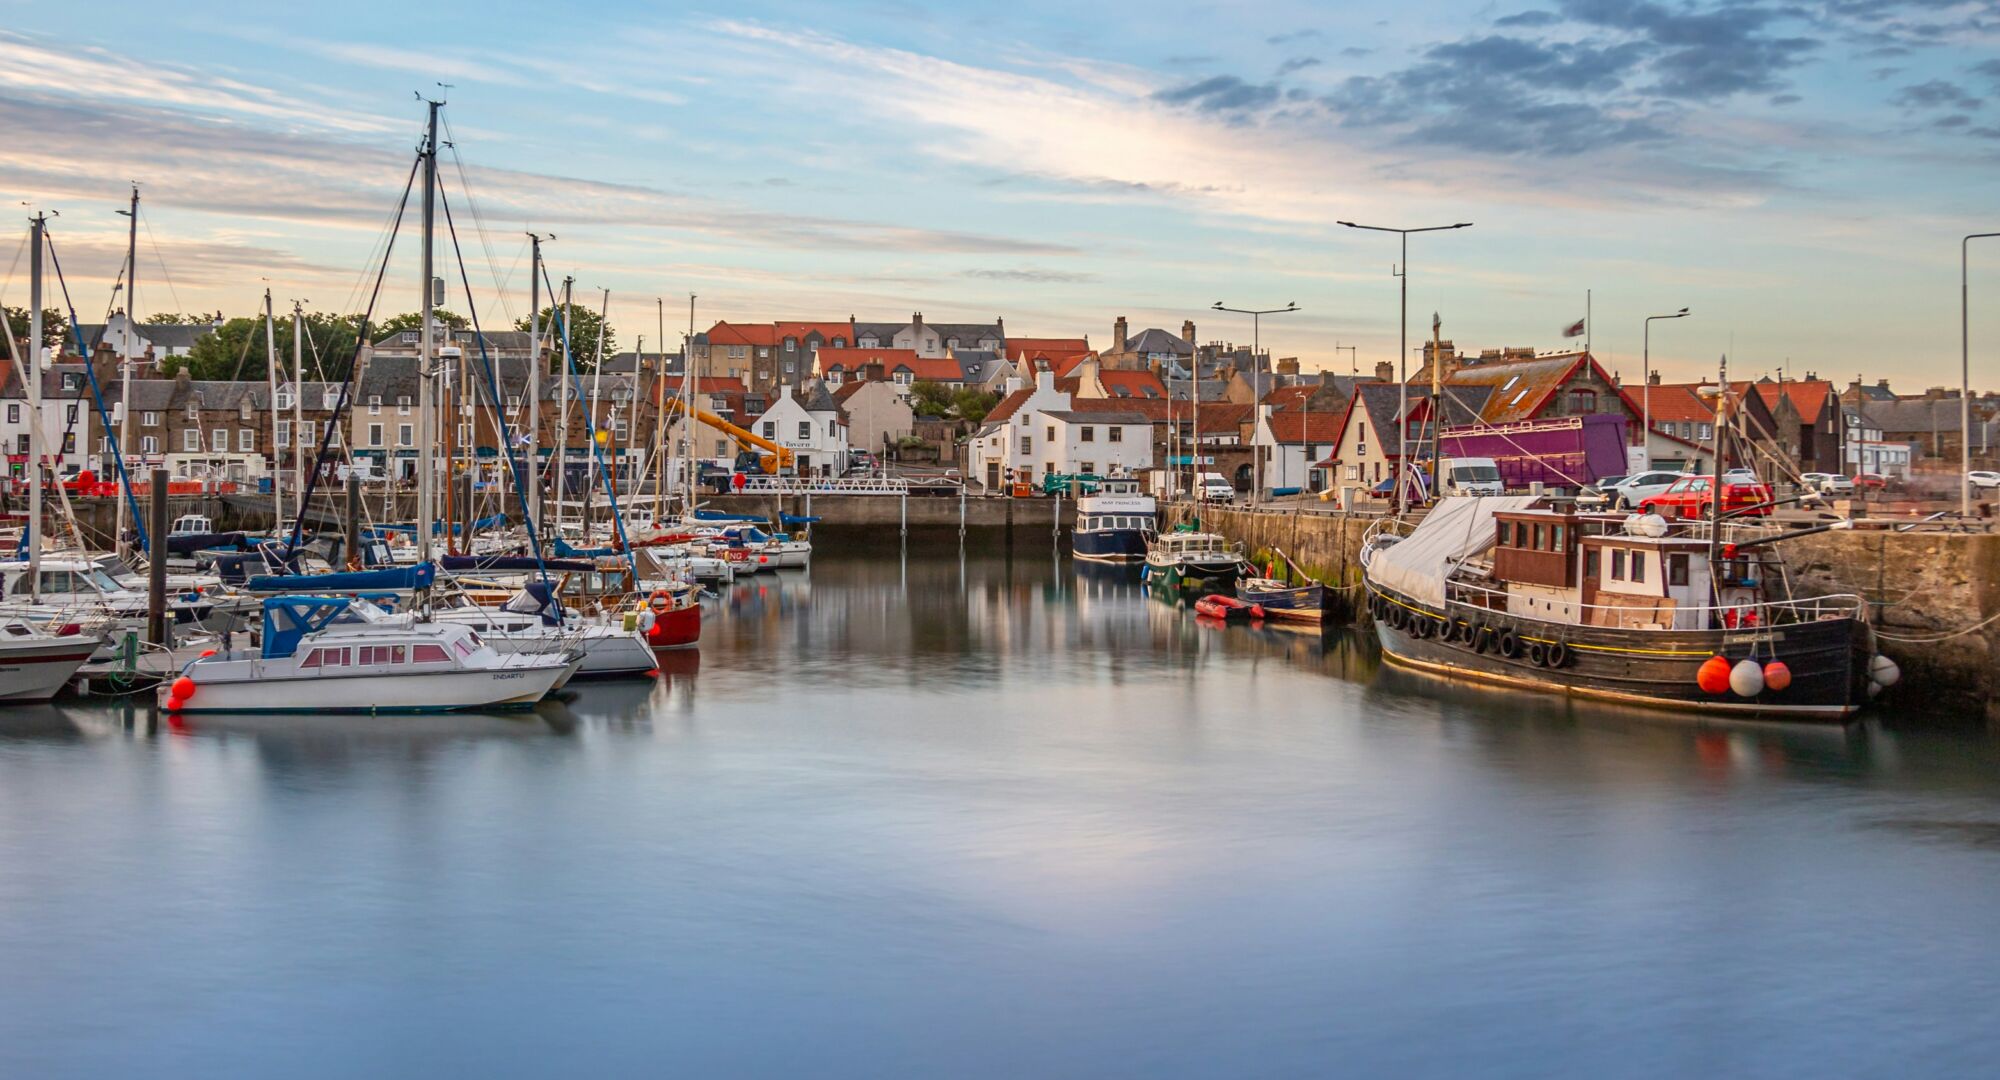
[[1646, 388], [1256, 411], [1403, 352]]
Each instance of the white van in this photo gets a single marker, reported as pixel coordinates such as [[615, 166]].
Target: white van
[[1213, 487], [1471, 476]]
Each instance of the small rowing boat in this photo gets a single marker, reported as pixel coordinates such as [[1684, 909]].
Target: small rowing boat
[[1218, 606]]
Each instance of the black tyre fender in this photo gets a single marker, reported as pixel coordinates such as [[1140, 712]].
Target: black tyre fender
[[1558, 654], [1509, 644], [1538, 654], [1481, 639]]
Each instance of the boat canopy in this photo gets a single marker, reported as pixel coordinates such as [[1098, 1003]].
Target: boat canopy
[[717, 515], [287, 619], [398, 578], [1455, 530]]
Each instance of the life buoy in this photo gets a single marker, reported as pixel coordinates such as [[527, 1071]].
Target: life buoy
[[1538, 654], [660, 602], [1509, 644], [1558, 654]]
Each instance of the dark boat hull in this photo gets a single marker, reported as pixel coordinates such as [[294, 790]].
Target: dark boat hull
[[1109, 545], [1828, 659]]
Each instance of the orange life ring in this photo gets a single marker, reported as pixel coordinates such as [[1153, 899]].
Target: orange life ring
[[661, 603]]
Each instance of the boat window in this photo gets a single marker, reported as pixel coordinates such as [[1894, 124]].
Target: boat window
[[1590, 563], [1618, 564], [382, 654], [1677, 569], [1539, 537], [1557, 533], [464, 647], [332, 657], [1639, 566], [429, 654], [57, 581], [312, 659]]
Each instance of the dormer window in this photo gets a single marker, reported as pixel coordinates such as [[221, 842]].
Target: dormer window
[[791, 344], [409, 337]]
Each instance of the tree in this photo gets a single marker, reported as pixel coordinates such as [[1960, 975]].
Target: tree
[[961, 403], [175, 318], [929, 398], [972, 405], [55, 328], [583, 331], [412, 320], [237, 349]]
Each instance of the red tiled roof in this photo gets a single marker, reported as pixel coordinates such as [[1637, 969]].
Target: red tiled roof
[[1140, 384], [704, 384], [728, 333], [1302, 427], [1009, 405], [1019, 348], [1061, 365], [1289, 397], [1675, 402], [1808, 396]]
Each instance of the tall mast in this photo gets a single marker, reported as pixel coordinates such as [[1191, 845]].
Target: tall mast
[[690, 379], [595, 417], [659, 409], [125, 375], [1715, 494], [271, 386], [534, 471], [298, 405], [562, 404], [425, 349], [31, 376]]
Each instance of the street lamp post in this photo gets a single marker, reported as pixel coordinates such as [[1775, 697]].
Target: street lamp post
[[1403, 352], [1965, 373], [1257, 394], [1646, 387]]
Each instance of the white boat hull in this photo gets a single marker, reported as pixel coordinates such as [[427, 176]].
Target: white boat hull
[[36, 670], [513, 685]]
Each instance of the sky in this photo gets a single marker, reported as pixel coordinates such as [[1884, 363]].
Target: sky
[[1797, 172]]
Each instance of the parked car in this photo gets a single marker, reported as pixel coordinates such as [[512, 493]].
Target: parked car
[[1828, 483], [1216, 488], [1694, 496], [1629, 491], [1983, 480], [1592, 495], [1870, 481]]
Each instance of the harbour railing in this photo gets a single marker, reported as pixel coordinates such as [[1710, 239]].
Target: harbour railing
[[1465, 596], [846, 485]]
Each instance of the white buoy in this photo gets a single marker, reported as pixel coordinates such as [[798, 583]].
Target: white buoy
[[1883, 672], [1747, 678]]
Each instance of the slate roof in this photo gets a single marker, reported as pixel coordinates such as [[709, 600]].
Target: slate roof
[[1155, 340], [1211, 389], [1093, 416], [1913, 416]]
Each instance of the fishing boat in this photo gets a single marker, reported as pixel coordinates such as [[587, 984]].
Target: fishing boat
[[1114, 523], [1187, 559], [672, 619], [1519, 591], [344, 654], [1283, 600], [35, 664]]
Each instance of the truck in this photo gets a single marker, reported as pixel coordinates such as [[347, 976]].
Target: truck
[[1470, 476], [1561, 453]]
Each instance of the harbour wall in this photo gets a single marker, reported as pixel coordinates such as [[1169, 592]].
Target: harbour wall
[[1934, 597]]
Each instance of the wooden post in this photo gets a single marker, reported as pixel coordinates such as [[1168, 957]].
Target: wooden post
[[353, 523], [156, 562]]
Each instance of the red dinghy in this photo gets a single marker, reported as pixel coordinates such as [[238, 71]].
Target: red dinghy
[[1217, 606]]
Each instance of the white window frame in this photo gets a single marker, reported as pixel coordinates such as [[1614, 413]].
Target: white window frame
[[406, 435], [281, 434], [246, 440], [218, 440], [191, 440], [374, 435]]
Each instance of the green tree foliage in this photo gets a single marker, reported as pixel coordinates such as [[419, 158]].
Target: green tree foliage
[[930, 398], [55, 328], [176, 318], [962, 403], [411, 320], [584, 329], [237, 350], [972, 405]]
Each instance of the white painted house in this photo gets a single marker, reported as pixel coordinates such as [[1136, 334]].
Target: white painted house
[[806, 420], [1035, 432]]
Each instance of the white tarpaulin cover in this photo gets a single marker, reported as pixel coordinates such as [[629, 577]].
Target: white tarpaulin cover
[[1454, 530]]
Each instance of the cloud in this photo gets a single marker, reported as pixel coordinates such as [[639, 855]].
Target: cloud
[[1785, 99], [1701, 53], [1031, 276], [1935, 94], [1190, 60], [1529, 18], [1356, 51], [1297, 63], [1220, 93], [1291, 36]]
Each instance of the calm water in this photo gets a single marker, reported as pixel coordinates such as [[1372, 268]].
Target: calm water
[[990, 818]]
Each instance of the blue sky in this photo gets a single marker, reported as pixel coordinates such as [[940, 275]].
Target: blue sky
[[1797, 172]]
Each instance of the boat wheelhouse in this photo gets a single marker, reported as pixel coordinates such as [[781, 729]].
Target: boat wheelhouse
[[1114, 523], [1186, 559]]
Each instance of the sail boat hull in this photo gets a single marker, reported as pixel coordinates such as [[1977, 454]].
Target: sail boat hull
[[1828, 659]]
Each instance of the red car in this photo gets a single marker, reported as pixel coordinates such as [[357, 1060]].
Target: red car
[[1693, 496], [1869, 481]]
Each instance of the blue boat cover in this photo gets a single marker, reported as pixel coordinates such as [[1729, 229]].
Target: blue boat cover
[[397, 578], [797, 519], [190, 542], [564, 551], [515, 562], [717, 515], [289, 618]]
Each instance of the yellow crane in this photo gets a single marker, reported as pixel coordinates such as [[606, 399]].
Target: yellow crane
[[771, 457]]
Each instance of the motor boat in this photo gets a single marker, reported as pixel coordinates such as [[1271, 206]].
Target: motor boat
[[35, 664]]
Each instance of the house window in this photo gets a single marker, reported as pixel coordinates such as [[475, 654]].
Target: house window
[[72, 414], [246, 439], [791, 344], [721, 448], [69, 445], [465, 433], [805, 430], [13, 413], [1027, 444], [840, 343], [1089, 435], [149, 444], [738, 352], [1582, 401], [1707, 432], [194, 412], [284, 399], [71, 380], [1618, 564], [281, 434], [903, 377], [243, 409], [330, 400], [770, 429], [218, 440], [305, 432], [763, 352], [513, 403], [403, 405], [1088, 468], [1117, 433], [191, 440], [832, 429], [374, 404], [149, 419], [405, 435], [951, 343], [374, 434], [1051, 433]]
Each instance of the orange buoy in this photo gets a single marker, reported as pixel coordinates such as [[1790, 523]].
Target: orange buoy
[[1713, 677], [183, 688], [174, 704], [208, 652], [1776, 675]]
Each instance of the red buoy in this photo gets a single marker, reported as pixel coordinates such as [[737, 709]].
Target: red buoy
[[208, 653], [1713, 678], [183, 688], [1776, 675], [174, 704]]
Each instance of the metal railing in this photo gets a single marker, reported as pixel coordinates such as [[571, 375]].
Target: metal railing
[[846, 485], [1759, 614]]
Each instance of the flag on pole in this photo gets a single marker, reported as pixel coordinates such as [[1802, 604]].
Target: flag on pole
[[1574, 329]]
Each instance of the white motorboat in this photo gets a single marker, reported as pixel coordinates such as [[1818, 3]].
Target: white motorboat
[[35, 664], [333, 654], [1184, 558], [528, 624]]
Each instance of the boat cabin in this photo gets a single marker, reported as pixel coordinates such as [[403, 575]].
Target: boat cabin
[[192, 525], [1610, 570]]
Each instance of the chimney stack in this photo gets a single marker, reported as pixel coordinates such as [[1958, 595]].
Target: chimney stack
[[1118, 335], [1653, 378], [1288, 365], [1187, 331], [1385, 371], [873, 371]]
